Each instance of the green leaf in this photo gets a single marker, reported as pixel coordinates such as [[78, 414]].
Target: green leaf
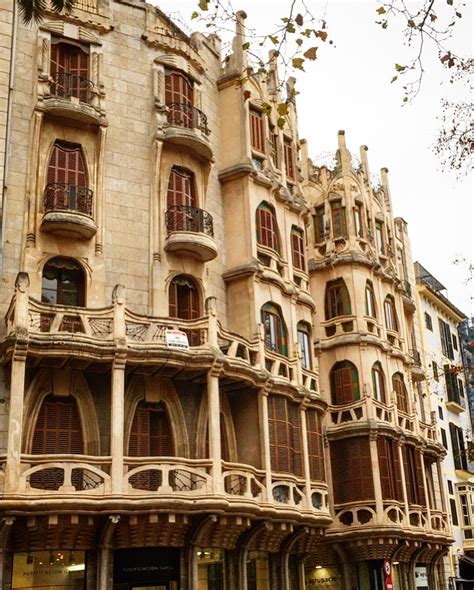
[[450, 2], [282, 108], [411, 23], [290, 28], [299, 42], [273, 39], [297, 63], [245, 46], [400, 68], [405, 99], [299, 20], [380, 10], [433, 17], [204, 4], [393, 79], [281, 122], [310, 53], [194, 15], [266, 108]]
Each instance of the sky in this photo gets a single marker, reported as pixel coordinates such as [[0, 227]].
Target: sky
[[348, 87]]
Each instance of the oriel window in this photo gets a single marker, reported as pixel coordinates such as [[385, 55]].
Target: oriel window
[[267, 227]]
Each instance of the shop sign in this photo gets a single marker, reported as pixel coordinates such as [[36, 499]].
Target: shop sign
[[176, 339], [40, 569], [322, 578], [421, 577], [154, 566]]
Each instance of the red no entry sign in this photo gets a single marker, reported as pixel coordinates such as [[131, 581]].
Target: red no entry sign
[[388, 583]]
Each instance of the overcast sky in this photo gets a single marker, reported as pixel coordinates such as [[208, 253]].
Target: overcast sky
[[348, 87]]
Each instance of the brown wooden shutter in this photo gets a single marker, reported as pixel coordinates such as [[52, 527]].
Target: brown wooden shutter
[[280, 435], [397, 473], [225, 453], [351, 470], [181, 188], [297, 248], [150, 435], [420, 484], [256, 130], [315, 445], [172, 299], [66, 165], [289, 163], [58, 428], [295, 426], [384, 468]]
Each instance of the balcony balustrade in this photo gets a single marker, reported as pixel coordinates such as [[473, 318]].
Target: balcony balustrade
[[68, 210], [190, 231], [67, 85], [187, 126]]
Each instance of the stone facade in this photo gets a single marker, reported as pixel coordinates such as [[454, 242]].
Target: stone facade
[[210, 359]]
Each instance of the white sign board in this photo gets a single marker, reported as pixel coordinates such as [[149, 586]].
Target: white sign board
[[421, 577], [176, 339]]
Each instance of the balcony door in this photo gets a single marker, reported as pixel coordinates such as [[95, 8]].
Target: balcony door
[[179, 98], [70, 71], [66, 179], [183, 299]]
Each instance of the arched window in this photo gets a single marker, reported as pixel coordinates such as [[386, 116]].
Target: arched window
[[179, 98], [400, 390], [63, 283], [391, 320], [304, 342], [297, 248], [285, 435], [181, 213], [370, 308], [183, 298], [150, 436], [344, 383], [267, 227], [378, 383], [70, 71], [337, 299], [274, 329], [66, 179], [57, 432]]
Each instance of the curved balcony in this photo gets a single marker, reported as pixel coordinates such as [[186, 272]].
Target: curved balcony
[[187, 127], [72, 95], [190, 232], [68, 211]]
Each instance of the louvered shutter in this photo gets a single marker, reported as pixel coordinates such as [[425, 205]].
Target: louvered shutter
[[347, 385], [420, 484], [315, 445], [161, 444], [256, 130], [442, 335], [279, 434], [365, 469], [58, 429], [338, 394], [289, 164], [397, 473], [384, 468], [295, 427], [225, 453]]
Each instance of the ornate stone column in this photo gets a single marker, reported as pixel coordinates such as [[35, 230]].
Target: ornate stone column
[[214, 427]]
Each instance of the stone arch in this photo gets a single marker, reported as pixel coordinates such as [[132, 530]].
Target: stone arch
[[157, 389], [62, 382]]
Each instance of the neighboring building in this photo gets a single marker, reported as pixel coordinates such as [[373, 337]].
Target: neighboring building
[[446, 387], [168, 261]]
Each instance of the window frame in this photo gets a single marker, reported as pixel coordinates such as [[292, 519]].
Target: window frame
[[358, 223], [401, 392], [337, 300], [378, 383], [370, 305], [428, 322], [289, 158], [81, 284], [344, 383], [257, 129], [303, 335], [268, 234], [391, 317], [274, 328], [338, 220], [286, 445], [298, 248], [379, 237]]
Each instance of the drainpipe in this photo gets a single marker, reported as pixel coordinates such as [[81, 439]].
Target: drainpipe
[[8, 130]]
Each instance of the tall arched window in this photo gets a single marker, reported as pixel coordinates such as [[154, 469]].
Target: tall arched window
[[297, 248], [150, 436], [179, 98], [285, 435], [274, 329], [267, 227], [181, 213], [337, 301], [391, 320], [370, 308], [70, 71], [401, 392], [184, 298], [344, 383], [378, 383], [66, 179], [57, 432], [63, 282], [304, 342]]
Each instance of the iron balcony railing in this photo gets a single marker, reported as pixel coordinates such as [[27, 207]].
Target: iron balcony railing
[[185, 115], [183, 218], [59, 196], [415, 355], [66, 85]]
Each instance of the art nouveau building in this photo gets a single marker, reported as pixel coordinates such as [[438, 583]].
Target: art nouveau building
[[439, 320], [169, 272]]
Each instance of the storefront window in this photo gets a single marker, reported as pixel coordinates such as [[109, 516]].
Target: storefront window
[[63, 570], [322, 577], [211, 569], [258, 571]]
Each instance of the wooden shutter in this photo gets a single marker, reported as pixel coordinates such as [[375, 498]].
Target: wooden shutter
[[453, 431], [172, 300], [315, 445], [343, 385], [295, 426], [297, 248], [280, 436], [150, 435], [181, 188], [289, 162], [178, 89], [389, 465], [256, 130], [384, 469], [420, 484], [225, 452], [58, 428], [351, 470], [66, 165], [397, 470]]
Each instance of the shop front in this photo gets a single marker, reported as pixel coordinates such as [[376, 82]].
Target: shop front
[[321, 577], [147, 568], [42, 570]]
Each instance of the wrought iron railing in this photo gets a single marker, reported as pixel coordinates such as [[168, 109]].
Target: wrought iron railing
[[183, 218], [59, 196], [185, 115], [415, 355], [66, 85]]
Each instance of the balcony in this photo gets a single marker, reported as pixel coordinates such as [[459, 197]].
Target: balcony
[[71, 95], [190, 232], [187, 127], [68, 211]]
